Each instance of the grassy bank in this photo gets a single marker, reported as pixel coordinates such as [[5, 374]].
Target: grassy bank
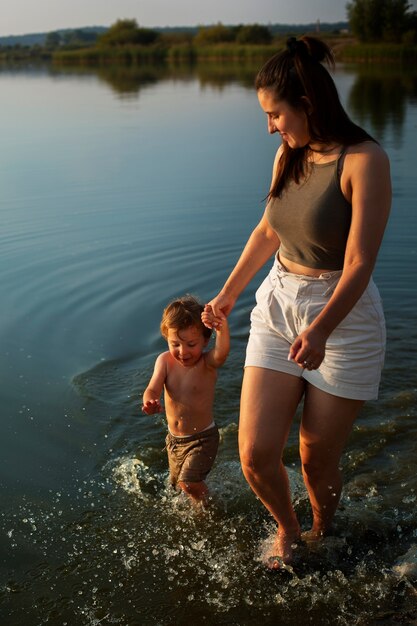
[[346, 49], [398, 53], [179, 52], [24, 55]]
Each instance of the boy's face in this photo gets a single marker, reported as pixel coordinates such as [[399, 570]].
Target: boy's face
[[187, 345]]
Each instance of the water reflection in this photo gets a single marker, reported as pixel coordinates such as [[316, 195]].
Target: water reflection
[[215, 75], [378, 98], [130, 79]]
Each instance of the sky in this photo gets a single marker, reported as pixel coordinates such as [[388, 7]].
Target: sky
[[19, 17]]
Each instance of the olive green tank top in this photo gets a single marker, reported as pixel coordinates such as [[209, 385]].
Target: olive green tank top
[[312, 218]]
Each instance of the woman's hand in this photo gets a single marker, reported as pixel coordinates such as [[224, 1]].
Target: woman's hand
[[219, 309], [210, 320], [261, 245], [308, 349]]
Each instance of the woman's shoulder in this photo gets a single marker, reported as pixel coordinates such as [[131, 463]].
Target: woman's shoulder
[[366, 156], [369, 148]]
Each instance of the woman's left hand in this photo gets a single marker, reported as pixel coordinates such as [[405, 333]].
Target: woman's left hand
[[308, 349]]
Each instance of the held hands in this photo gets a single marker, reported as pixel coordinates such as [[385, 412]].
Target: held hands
[[152, 406], [217, 310], [211, 320], [308, 349]]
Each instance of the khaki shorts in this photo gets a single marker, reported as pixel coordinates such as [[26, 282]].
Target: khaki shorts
[[287, 303], [191, 458]]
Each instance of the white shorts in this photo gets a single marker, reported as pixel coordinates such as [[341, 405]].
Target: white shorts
[[287, 303]]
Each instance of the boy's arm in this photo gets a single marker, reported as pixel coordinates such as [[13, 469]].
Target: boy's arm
[[217, 355], [152, 393]]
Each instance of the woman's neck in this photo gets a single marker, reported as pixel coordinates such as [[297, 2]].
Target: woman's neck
[[318, 152]]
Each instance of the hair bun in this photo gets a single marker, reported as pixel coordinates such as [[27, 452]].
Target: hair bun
[[295, 46], [310, 47]]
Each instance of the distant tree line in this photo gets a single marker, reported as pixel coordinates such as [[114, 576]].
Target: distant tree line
[[70, 38], [369, 20], [127, 32], [242, 34]]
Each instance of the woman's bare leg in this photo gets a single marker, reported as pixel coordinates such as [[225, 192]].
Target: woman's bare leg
[[326, 424], [268, 402]]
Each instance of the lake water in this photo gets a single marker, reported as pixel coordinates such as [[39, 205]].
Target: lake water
[[119, 191]]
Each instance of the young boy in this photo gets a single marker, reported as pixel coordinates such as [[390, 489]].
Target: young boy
[[188, 375]]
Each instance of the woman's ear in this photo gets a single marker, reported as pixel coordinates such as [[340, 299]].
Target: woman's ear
[[308, 107]]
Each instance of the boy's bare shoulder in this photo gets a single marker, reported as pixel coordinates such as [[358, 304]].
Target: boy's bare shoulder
[[162, 360]]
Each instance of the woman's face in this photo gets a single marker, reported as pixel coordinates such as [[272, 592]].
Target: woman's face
[[290, 123]]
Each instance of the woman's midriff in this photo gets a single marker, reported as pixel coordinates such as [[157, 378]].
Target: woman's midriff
[[296, 268]]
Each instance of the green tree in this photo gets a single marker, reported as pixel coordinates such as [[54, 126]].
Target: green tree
[[253, 34], [79, 37], [378, 20], [214, 34], [396, 19], [53, 40], [127, 32], [410, 34]]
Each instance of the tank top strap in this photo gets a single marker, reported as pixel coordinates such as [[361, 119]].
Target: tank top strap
[[340, 161]]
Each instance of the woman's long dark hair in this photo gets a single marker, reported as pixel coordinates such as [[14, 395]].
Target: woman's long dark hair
[[293, 75]]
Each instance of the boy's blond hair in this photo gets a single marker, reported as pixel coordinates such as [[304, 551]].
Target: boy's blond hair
[[182, 313]]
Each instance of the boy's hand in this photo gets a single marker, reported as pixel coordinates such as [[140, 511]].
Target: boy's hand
[[209, 319], [217, 355], [152, 406]]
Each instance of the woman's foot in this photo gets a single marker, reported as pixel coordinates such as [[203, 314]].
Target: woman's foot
[[315, 535], [282, 552]]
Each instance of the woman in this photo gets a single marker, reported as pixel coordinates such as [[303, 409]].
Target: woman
[[317, 330]]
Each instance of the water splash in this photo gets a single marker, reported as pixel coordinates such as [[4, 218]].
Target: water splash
[[406, 565], [133, 475]]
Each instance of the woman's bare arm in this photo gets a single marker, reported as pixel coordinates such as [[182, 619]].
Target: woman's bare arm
[[260, 246]]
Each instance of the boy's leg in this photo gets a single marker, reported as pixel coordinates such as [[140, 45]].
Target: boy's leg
[[197, 464], [173, 462], [197, 491]]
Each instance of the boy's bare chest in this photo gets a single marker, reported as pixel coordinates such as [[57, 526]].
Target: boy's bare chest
[[190, 382]]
